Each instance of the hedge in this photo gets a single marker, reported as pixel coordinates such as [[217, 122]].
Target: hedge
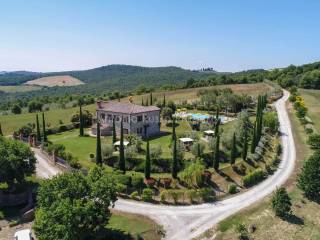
[[253, 178]]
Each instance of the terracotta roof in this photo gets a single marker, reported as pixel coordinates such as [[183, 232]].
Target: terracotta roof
[[128, 108]]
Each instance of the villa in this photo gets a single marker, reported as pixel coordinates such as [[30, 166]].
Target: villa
[[141, 120]]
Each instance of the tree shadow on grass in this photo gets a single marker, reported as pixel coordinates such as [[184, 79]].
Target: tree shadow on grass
[[227, 177], [293, 219], [110, 234]]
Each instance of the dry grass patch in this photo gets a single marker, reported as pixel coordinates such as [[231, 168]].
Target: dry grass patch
[[61, 81]]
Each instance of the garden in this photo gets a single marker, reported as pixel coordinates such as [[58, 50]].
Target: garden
[[191, 161]]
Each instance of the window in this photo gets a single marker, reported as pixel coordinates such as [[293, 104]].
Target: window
[[139, 118], [139, 130], [125, 131]]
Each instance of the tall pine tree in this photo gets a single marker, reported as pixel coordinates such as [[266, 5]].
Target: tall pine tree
[[38, 129], [114, 132], [164, 100], [233, 154], [98, 146], [81, 123], [147, 169], [217, 154], [122, 163], [44, 128], [1, 133]]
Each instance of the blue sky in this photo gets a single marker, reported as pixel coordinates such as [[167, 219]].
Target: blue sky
[[230, 35]]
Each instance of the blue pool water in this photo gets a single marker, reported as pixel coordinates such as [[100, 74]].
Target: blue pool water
[[199, 116]]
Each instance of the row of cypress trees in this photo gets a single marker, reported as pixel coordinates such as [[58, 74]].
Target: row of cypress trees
[[38, 133], [257, 130]]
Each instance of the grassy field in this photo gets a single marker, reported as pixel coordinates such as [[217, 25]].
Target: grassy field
[[312, 99], [21, 88], [191, 94], [305, 224], [12, 122]]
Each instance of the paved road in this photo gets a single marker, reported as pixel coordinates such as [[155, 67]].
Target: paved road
[[187, 222], [43, 168]]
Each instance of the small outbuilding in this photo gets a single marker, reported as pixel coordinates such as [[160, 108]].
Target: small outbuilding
[[117, 144], [208, 133], [186, 142]]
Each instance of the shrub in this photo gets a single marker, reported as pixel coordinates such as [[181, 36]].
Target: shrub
[[232, 189], [134, 195], [174, 194], [206, 194], [163, 196], [279, 149], [309, 180], [192, 175], [314, 141], [308, 130], [1, 215], [281, 203], [192, 194], [147, 194], [253, 178], [242, 231], [123, 179], [121, 188], [137, 182]]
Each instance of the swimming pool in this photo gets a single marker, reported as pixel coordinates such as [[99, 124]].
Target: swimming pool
[[199, 116]]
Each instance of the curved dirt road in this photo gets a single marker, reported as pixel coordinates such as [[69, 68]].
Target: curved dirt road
[[187, 222]]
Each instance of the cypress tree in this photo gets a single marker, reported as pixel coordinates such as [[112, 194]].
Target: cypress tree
[[164, 100], [217, 154], [151, 99], [114, 133], [174, 159], [38, 129], [217, 113], [81, 132], [1, 133], [147, 102], [44, 128], [216, 129], [98, 146], [198, 150], [148, 163], [142, 102], [245, 145], [233, 150], [122, 163], [173, 128], [253, 142]]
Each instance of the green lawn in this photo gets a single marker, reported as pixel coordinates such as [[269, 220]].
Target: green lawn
[[10, 123], [134, 225]]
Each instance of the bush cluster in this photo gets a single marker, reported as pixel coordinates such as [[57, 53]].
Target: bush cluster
[[253, 178]]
